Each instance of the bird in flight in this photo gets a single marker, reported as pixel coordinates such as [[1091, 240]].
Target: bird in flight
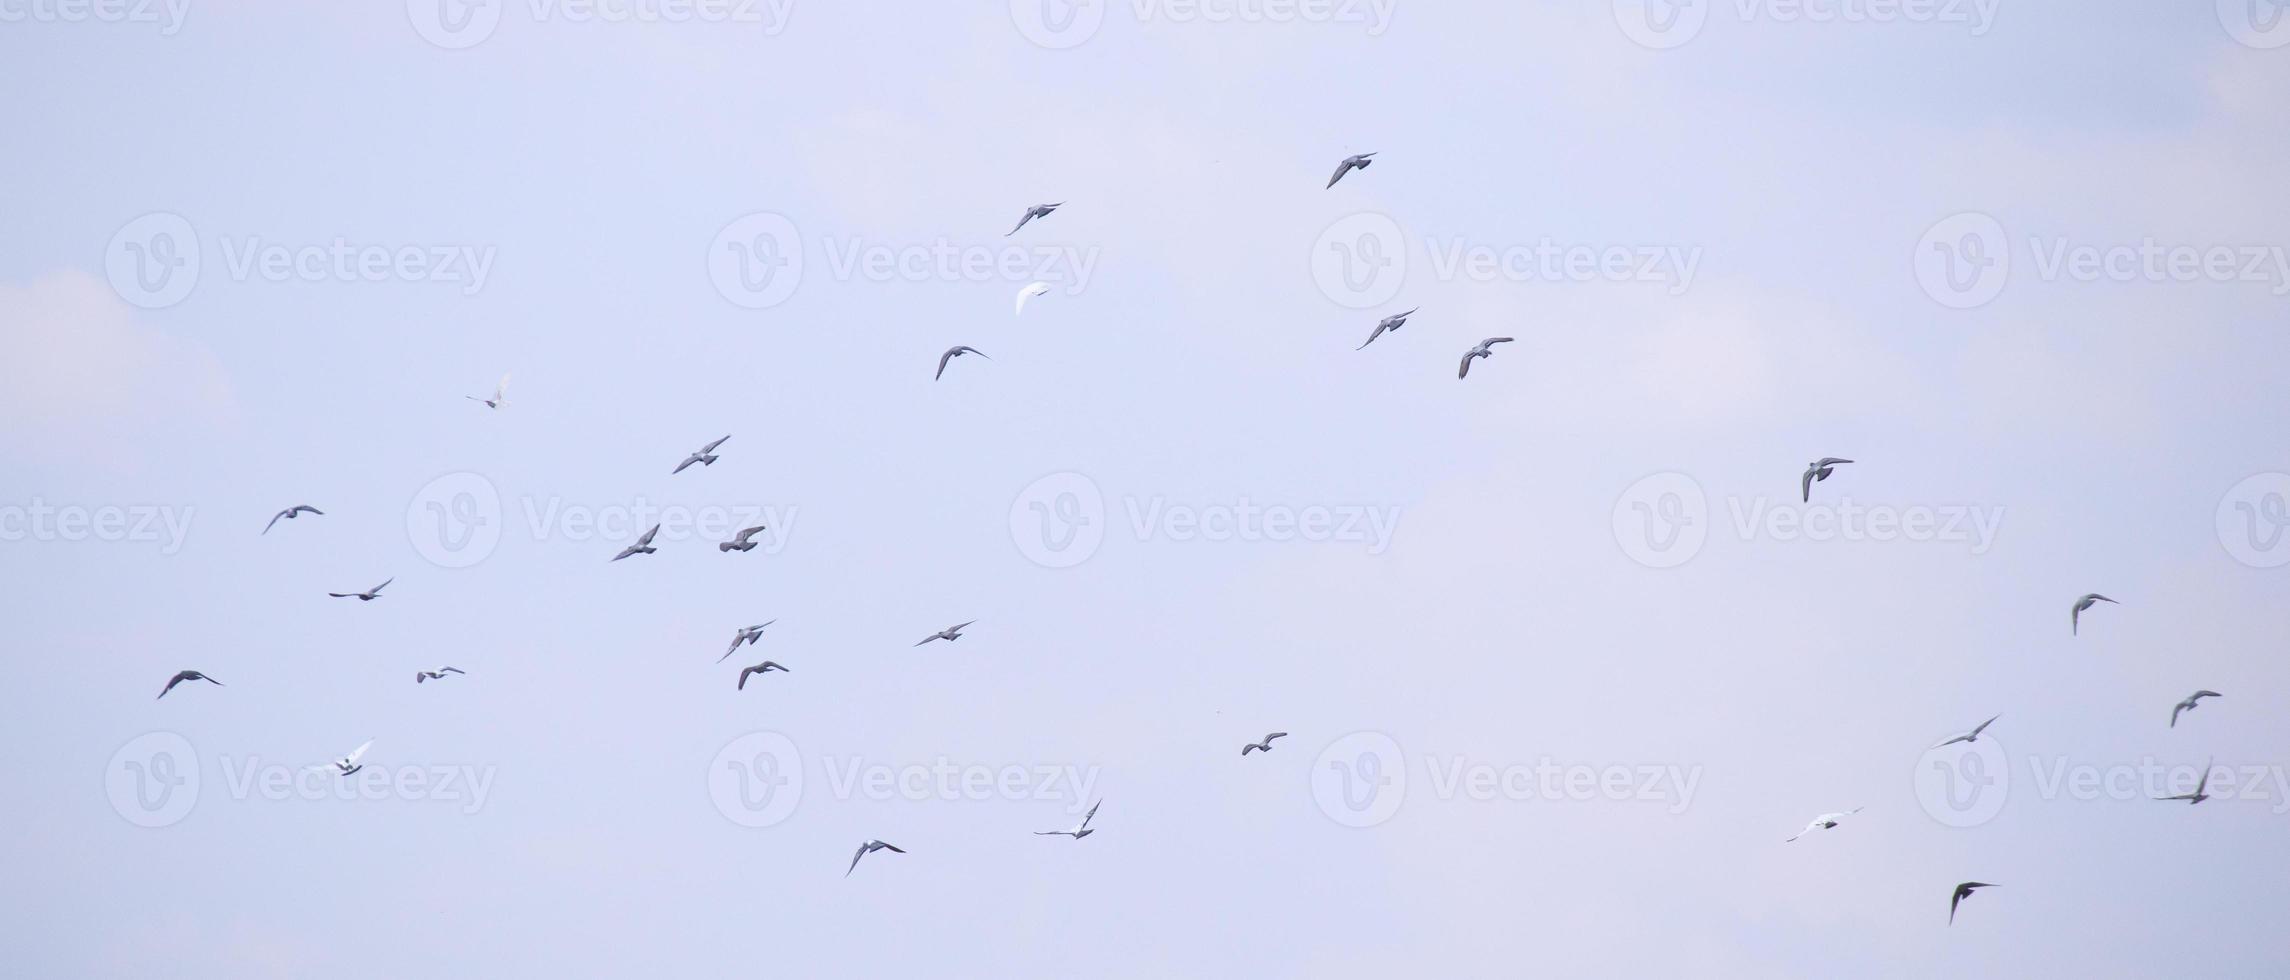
[[745, 634], [2075, 615], [347, 764], [952, 353], [1037, 211], [1392, 322], [1264, 746], [500, 395], [705, 457], [367, 596], [1357, 161], [763, 668], [1080, 830], [643, 545], [740, 542], [2193, 701], [186, 675], [436, 675], [949, 634], [1818, 470], [1029, 291], [1486, 348], [1825, 821], [1963, 892], [1970, 736], [869, 848], [291, 513], [2198, 795]]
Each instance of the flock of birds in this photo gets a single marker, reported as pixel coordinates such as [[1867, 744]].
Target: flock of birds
[[1819, 470]]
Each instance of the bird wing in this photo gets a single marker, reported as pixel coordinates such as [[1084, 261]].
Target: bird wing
[[352, 758], [1341, 169], [2204, 782], [1250, 747], [688, 460], [647, 538], [376, 590], [743, 676], [1268, 738], [501, 391], [171, 682], [1372, 337], [2208, 694], [1492, 341], [1091, 815], [862, 852], [273, 521], [1805, 485], [2175, 709], [1030, 291], [341, 595], [1465, 369], [451, 670], [959, 628], [890, 847], [942, 359], [711, 447]]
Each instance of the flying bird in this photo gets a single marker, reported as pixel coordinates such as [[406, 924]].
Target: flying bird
[[1264, 746], [1080, 830], [1037, 211], [643, 545], [1031, 290], [435, 675], [1963, 892], [740, 542], [869, 848], [1486, 348], [500, 395], [367, 596], [952, 353], [2075, 615], [949, 634], [763, 668], [1392, 322], [2193, 701], [1825, 821], [186, 675], [745, 634], [2198, 795], [1818, 470], [347, 764], [705, 457], [291, 513], [1970, 736], [1357, 161]]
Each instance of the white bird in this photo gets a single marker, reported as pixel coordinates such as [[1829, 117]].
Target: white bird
[[952, 353], [436, 675], [1818, 470], [1037, 211], [347, 764], [1031, 290], [740, 542], [1825, 821], [745, 634], [869, 848], [763, 668], [1357, 161], [1486, 348], [2075, 615], [367, 596], [1392, 322], [705, 457], [2191, 703], [2198, 795], [1970, 736], [1264, 746], [643, 545], [949, 634], [1080, 830], [1963, 892], [500, 395], [291, 513]]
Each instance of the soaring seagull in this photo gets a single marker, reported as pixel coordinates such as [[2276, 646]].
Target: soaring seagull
[[347, 764], [500, 395], [643, 545], [1963, 891], [949, 634], [436, 675], [291, 513], [740, 542], [367, 596], [1970, 736], [763, 668], [869, 848], [2075, 615], [1080, 830], [2191, 703], [2198, 795], [186, 675], [1037, 211], [1486, 348], [1264, 746], [1357, 161], [1824, 822], [1029, 291], [1817, 470], [1392, 322], [745, 634], [705, 457], [952, 353]]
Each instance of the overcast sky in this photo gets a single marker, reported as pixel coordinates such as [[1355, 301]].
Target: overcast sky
[[1562, 655]]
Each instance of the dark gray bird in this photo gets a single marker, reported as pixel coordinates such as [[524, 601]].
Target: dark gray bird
[[1080, 830], [740, 542], [745, 634], [1970, 736], [705, 457], [2193, 700], [762, 668], [2075, 615], [436, 675], [186, 675], [1392, 322], [291, 513], [1486, 348], [869, 848], [952, 353], [643, 545], [2198, 795], [949, 634], [1037, 211], [1264, 746], [1357, 161], [1963, 892], [1818, 470], [367, 596]]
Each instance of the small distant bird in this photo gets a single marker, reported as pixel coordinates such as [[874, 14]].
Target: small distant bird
[[1486, 348], [1963, 892], [949, 634], [869, 848], [1357, 161], [186, 675], [1970, 736], [291, 513], [705, 457], [740, 542], [643, 545], [436, 675], [1818, 470], [367, 596], [1392, 322], [1264, 746], [2198, 795], [1037, 211], [952, 353], [500, 395], [745, 634], [1825, 821], [1080, 830], [1030, 290], [763, 668], [2193, 701], [2075, 615], [347, 764]]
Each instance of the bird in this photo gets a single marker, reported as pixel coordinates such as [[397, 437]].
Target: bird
[[1970, 736], [347, 764], [2193, 701], [952, 353], [949, 634], [435, 675], [1963, 891], [705, 457], [1392, 322], [186, 675], [745, 634], [643, 545], [762, 668], [1029, 291], [367, 596], [1037, 211], [1357, 161], [500, 395], [740, 542], [291, 513], [1824, 822], [1080, 830], [1817, 470], [869, 848], [2198, 795], [2075, 615], [1264, 746], [1486, 348]]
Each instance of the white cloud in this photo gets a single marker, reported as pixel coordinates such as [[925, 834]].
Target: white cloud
[[76, 367]]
